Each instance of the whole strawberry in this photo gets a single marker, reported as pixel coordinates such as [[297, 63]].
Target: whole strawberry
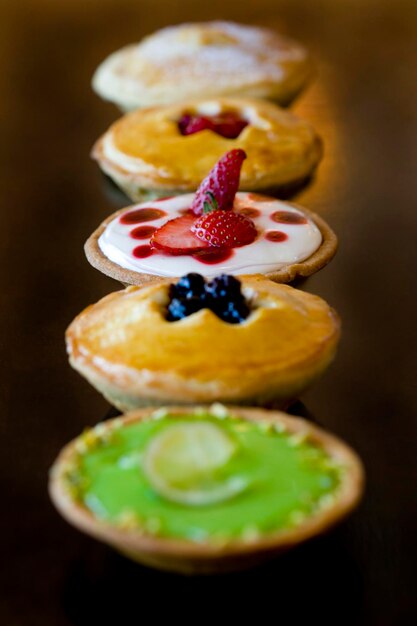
[[224, 229], [218, 189]]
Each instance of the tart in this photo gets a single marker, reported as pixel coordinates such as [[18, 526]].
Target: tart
[[204, 59], [167, 150], [247, 341], [205, 490], [291, 242]]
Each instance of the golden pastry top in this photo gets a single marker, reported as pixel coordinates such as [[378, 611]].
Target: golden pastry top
[[204, 59], [148, 145], [288, 331]]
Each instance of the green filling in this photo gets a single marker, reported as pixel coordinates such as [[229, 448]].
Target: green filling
[[287, 480]]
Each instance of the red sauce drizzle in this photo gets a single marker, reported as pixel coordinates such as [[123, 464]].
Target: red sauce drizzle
[[258, 197], [142, 232], [249, 212], [142, 215], [276, 235], [286, 217], [213, 256], [141, 252], [164, 198]]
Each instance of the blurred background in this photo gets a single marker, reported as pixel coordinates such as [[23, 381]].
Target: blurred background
[[363, 104]]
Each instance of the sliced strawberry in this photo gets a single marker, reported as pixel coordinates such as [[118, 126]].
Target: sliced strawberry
[[218, 189], [228, 125], [190, 124], [175, 237], [225, 229]]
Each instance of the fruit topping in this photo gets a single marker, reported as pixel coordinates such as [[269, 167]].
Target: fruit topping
[[214, 256], [222, 295], [142, 252], [228, 125], [141, 215], [185, 464], [224, 286], [210, 222], [176, 237], [142, 232], [218, 189], [276, 235], [288, 217], [226, 299], [189, 286], [225, 229], [190, 124]]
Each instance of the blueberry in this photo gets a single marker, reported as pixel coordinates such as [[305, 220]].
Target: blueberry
[[182, 307], [222, 295], [224, 286], [234, 312], [190, 285]]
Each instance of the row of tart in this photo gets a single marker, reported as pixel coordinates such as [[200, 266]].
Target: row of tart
[[206, 488]]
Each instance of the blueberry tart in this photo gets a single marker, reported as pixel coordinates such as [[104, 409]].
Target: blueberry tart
[[243, 341]]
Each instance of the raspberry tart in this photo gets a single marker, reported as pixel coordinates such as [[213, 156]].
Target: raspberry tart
[[243, 341], [163, 151], [205, 490], [204, 60], [214, 230]]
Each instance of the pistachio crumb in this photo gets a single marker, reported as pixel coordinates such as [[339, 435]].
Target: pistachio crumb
[[297, 439], [160, 414], [250, 533], [153, 525], [128, 520], [279, 428], [219, 410], [297, 518], [326, 501], [266, 427]]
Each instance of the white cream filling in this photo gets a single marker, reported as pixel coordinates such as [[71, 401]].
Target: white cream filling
[[261, 256]]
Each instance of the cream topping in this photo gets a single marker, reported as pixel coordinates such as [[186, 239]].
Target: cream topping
[[299, 242]]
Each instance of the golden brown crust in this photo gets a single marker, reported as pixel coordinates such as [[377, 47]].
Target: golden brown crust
[[287, 274], [189, 557], [152, 361]]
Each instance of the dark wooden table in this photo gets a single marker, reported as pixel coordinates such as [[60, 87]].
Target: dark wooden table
[[364, 105]]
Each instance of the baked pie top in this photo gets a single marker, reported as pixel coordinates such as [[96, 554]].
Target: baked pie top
[[148, 145], [127, 338], [209, 59]]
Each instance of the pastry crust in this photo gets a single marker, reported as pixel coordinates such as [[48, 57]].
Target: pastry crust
[[286, 274], [204, 59], [125, 348], [190, 557], [146, 155]]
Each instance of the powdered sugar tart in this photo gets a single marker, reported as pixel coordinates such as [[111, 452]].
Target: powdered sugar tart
[[290, 242], [245, 341], [199, 490], [204, 59], [168, 150]]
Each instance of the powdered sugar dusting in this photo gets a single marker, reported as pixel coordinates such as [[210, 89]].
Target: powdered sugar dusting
[[213, 57]]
